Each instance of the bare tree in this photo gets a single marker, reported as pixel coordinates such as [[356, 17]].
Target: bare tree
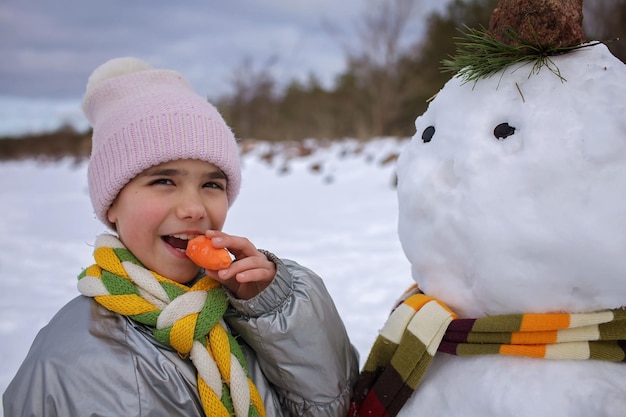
[[381, 32], [373, 61], [381, 29], [250, 110], [605, 20]]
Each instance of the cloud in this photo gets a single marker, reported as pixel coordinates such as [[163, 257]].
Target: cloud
[[48, 49]]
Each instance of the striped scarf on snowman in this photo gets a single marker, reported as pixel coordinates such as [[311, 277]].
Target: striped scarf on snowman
[[420, 326]]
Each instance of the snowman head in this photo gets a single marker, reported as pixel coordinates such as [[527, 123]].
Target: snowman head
[[512, 193]]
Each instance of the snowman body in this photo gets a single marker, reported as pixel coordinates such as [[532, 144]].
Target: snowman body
[[512, 200]]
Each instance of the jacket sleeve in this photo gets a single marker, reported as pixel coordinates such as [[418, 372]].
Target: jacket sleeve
[[300, 341], [89, 361]]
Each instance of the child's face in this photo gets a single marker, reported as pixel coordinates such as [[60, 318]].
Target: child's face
[[156, 212]]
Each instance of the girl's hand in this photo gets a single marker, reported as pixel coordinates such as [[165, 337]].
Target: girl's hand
[[250, 273]]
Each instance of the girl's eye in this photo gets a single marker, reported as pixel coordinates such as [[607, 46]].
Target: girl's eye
[[215, 185], [162, 181]]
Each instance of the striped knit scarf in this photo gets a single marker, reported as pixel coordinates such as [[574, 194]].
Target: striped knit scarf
[[421, 325], [186, 318]]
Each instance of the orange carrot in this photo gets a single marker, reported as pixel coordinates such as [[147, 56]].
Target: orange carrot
[[204, 254]]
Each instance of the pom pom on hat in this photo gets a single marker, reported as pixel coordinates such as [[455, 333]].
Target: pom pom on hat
[[142, 117]]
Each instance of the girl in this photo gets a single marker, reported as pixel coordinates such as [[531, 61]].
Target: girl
[[153, 334]]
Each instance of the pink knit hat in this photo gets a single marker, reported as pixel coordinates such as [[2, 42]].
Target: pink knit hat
[[143, 117]]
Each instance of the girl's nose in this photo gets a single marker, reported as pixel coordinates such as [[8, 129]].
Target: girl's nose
[[190, 207]]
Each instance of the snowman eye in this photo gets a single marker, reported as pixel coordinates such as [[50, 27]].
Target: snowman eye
[[428, 134], [503, 131]]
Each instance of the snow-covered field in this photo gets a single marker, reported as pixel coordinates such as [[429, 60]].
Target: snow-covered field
[[333, 210]]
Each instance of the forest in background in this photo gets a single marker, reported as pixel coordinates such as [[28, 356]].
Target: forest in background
[[384, 88]]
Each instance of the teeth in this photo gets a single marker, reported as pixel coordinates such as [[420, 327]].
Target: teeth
[[184, 237]]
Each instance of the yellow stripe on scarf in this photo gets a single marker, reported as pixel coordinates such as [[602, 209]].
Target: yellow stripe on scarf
[[106, 259], [126, 304], [210, 403], [179, 335], [219, 344]]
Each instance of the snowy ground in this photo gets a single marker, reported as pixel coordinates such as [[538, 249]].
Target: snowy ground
[[339, 220]]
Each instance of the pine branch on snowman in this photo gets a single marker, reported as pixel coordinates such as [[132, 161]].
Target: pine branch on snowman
[[512, 213]]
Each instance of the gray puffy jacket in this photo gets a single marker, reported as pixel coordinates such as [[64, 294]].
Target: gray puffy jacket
[[89, 361]]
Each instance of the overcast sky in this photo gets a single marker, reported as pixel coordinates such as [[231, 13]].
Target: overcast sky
[[48, 48]]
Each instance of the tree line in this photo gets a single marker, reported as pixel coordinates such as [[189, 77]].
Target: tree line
[[384, 87]]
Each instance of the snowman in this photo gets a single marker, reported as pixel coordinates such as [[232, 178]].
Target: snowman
[[512, 213]]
